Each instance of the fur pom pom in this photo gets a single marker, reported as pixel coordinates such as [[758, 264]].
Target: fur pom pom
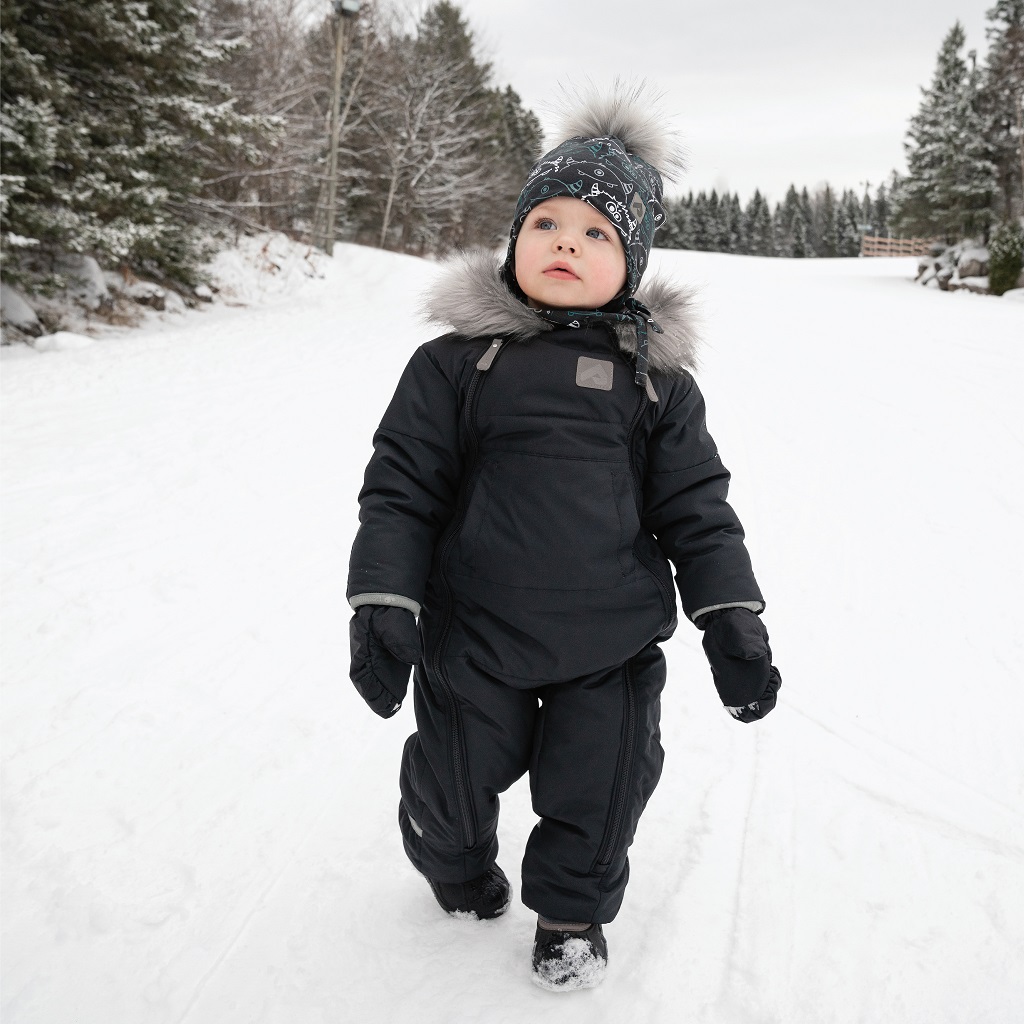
[[630, 113]]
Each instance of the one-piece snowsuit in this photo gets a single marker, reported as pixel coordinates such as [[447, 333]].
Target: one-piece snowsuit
[[526, 496]]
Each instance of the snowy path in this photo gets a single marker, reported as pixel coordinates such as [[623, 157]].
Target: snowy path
[[198, 812]]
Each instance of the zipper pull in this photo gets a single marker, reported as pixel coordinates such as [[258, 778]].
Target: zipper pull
[[651, 393], [484, 362]]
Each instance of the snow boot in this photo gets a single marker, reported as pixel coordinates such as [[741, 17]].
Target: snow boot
[[564, 961], [487, 896]]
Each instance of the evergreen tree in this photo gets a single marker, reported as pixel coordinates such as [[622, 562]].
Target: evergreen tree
[[950, 179], [811, 241], [828, 231], [781, 242], [1003, 103], [700, 222], [716, 225], [880, 210], [110, 118], [737, 236], [759, 226], [1006, 257], [848, 217]]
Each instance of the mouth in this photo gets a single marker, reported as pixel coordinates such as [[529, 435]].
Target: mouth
[[560, 272]]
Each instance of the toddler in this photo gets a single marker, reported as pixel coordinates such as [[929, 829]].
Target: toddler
[[539, 472]]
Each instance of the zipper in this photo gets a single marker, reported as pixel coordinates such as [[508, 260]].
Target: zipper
[[667, 598], [622, 781], [455, 751]]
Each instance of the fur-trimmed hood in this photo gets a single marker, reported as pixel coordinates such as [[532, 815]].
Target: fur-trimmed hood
[[471, 299]]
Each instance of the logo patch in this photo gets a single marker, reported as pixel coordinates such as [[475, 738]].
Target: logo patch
[[594, 373], [637, 208]]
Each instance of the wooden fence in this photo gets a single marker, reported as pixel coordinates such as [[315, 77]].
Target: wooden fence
[[871, 245]]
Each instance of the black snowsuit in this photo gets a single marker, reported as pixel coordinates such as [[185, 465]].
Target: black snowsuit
[[528, 497]]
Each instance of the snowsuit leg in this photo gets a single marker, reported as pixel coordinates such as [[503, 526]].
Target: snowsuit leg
[[593, 749], [597, 758], [473, 740]]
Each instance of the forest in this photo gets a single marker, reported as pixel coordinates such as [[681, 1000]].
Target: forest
[[147, 134]]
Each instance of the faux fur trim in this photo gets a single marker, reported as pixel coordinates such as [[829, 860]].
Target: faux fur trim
[[629, 113], [471, 298]]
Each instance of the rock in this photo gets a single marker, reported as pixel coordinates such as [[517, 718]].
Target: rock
[[977, 284], [203, 292], [973, 262], [62, 341], [173, 302], [87, 284], [928, 276], [17, 313], [924, 264], [932, 283], [146, 293], [944, 276]]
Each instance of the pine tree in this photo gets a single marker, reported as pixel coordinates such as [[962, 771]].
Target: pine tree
[[700, 221], [848, 217], [737, 236], [116, 168], [1002, 103], [950, 179], [880, 211], [828, 231]]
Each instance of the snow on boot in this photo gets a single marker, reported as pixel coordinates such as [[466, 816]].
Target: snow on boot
[[566, 961], [485, 897]]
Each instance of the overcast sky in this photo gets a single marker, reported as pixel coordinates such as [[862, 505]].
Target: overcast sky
[[765, 94]]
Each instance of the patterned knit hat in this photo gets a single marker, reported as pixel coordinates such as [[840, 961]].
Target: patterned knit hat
[[610, 159]]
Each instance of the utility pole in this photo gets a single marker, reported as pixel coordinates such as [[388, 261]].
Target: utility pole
[[343, 10]]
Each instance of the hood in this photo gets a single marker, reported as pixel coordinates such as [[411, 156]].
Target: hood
[[470, 298]]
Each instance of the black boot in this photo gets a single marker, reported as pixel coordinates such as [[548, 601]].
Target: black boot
[[565, 961], [488, 896]]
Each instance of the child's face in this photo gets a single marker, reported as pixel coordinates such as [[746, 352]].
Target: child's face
[[568, 256]]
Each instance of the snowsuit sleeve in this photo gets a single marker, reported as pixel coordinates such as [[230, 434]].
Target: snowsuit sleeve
[[410, 487], [686, 489]]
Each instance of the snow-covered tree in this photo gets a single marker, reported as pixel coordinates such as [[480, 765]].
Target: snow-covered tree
[[827, 226], [113, 115], [847, 219], [1002, 103], [950, 179]]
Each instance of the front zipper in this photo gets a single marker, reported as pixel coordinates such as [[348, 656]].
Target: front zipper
[[455, 751], [621, 789], [667, 598]]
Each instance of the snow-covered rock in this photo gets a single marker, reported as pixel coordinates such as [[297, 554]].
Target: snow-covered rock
[[978, 285], [62, 341], [173, 302], [146, 293], [86, 282], [1015, 294], [973, 262], [16, 312], [203, 292]]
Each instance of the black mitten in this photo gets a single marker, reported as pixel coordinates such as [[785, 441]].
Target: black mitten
[[736, 644], [385, 643]]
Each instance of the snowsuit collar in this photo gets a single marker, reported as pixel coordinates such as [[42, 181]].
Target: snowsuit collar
[[471, 298]]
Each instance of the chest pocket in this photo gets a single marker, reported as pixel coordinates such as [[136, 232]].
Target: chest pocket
[[541, 522]]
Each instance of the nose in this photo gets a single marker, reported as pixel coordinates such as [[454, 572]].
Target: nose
[[565, 244]]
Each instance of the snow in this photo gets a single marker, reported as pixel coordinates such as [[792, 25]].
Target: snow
[[17, 312], [199, 813], [62, 341]]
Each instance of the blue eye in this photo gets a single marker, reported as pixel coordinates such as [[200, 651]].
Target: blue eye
[[545, 224], [596, 233]]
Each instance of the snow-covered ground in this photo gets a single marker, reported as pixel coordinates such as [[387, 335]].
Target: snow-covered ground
[[199, 813]]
